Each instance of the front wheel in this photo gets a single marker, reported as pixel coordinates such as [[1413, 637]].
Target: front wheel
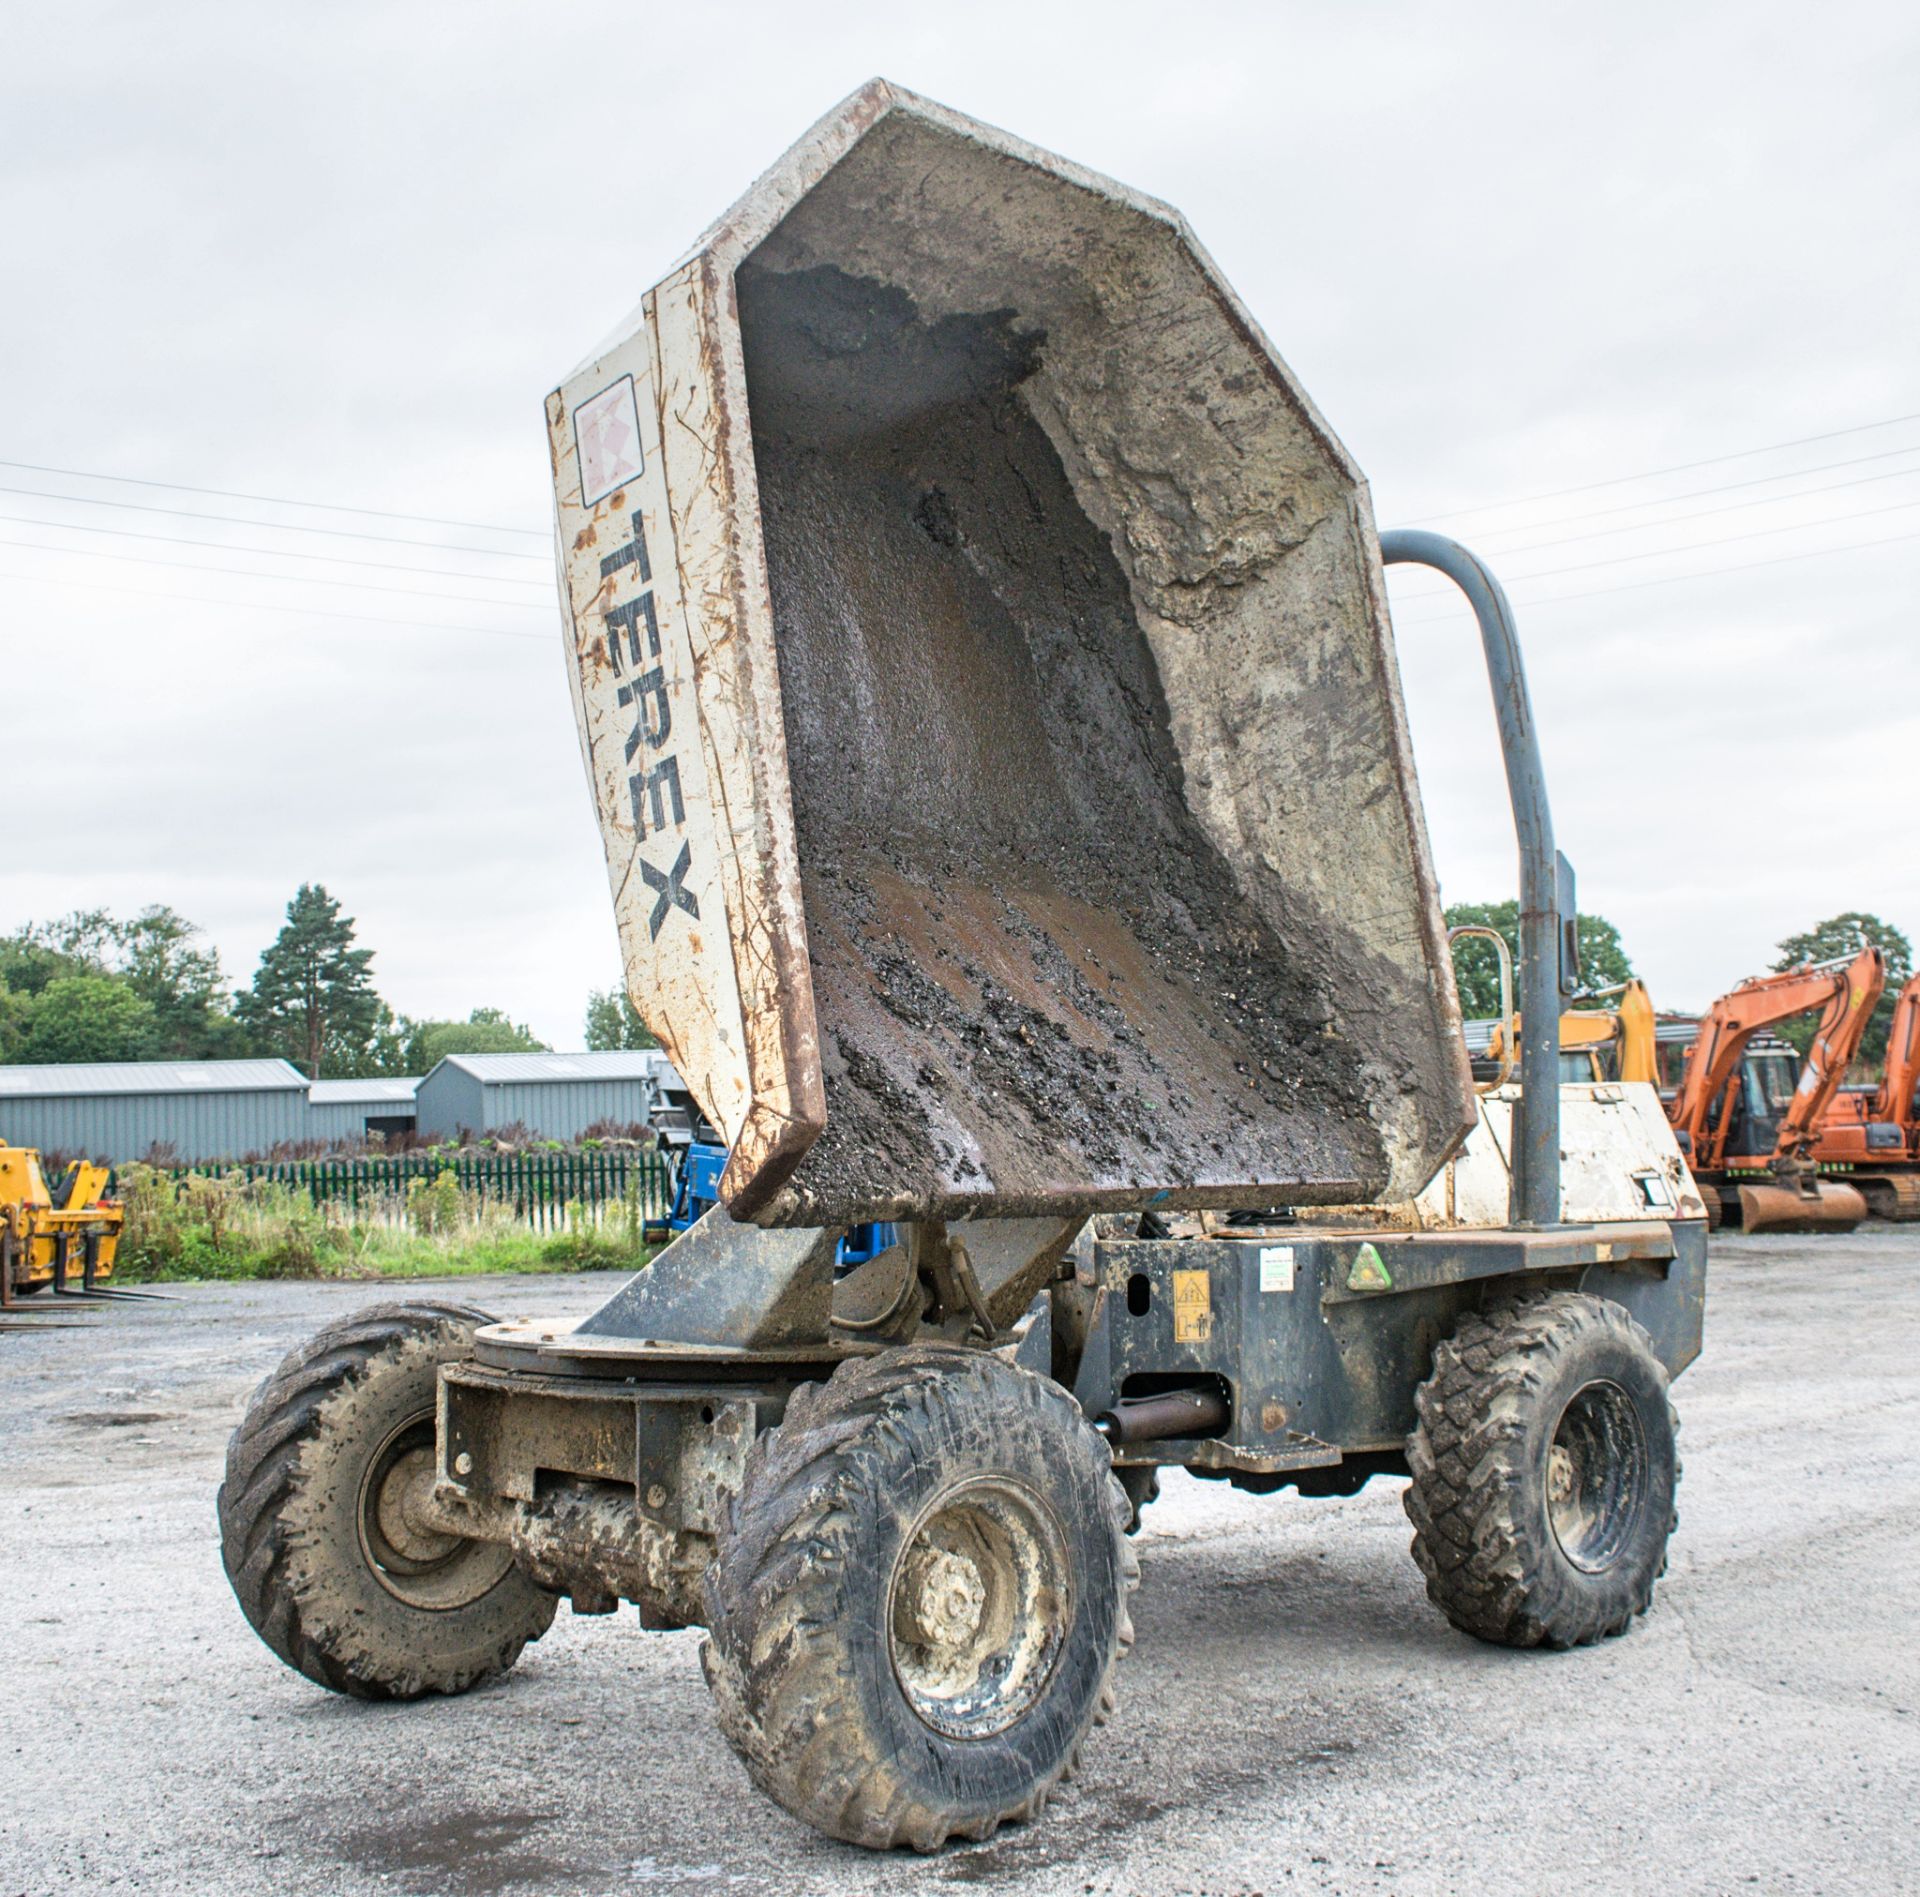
[[917, 1609], [1544, 1472], [323, 1523]]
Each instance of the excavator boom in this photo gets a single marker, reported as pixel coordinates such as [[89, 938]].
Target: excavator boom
[[1835, 1042], [1713, 1062], [1875, 1132]]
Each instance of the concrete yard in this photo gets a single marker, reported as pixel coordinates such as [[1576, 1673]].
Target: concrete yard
[[1294, 1718]]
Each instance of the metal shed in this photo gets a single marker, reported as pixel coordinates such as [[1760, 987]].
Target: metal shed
[[121, 1110], [351, 1109], [558, 1095]]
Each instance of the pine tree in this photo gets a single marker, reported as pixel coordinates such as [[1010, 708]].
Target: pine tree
[[312, 995]]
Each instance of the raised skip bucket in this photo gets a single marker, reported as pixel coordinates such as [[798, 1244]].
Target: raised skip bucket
[[982, 665]]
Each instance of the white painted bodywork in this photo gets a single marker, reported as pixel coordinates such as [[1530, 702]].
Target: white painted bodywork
[[1618, 1162]]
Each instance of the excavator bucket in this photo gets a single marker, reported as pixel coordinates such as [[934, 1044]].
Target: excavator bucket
[[1824, 1206], [983, 672]]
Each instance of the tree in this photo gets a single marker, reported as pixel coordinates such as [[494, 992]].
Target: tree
[[154, 956], [28, 966], [1847, 934], [614, 1022], [484, 1031], [84, 1018], [312, 997], [1603, 961]]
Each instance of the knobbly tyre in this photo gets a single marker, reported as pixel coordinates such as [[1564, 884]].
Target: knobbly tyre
[[984, 678]]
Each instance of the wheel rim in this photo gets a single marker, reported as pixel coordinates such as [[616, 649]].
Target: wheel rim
[[414, 1561], [978, 1608], [1597, 1476]]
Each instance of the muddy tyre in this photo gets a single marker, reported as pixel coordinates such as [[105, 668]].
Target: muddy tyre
[[919, 1603], [319, 1529], [1544, 1472]]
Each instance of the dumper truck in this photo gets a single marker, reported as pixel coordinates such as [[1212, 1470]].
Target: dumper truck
[[985, 682]]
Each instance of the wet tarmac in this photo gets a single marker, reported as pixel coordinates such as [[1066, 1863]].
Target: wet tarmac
[[1294, 1717]]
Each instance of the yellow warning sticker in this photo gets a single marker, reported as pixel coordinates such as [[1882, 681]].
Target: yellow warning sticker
[[1192, 1307]]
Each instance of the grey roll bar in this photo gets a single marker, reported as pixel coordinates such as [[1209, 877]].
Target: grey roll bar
[[1549, 949]]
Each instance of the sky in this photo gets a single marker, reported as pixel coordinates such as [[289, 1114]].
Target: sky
[[1624, 297]]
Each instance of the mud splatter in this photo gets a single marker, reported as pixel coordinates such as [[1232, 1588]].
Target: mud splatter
[[1036, 978]]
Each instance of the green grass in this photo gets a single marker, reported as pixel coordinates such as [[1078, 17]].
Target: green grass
[[210, 1227], [382, 1253]]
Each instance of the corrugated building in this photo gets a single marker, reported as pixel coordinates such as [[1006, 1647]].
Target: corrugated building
[[351, 1109], [557, 1095], [121, 1110]]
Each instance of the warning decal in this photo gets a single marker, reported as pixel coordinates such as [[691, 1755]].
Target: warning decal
[[1192, 1307]]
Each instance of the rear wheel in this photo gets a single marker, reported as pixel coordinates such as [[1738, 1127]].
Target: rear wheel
[[1543, 1472], [323, 1522], [917, 1609]]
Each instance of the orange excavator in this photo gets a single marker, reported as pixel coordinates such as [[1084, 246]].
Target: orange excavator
[[1874, 1132], [1753, 1144]]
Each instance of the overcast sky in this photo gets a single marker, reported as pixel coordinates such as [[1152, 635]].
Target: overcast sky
[[339, 254]]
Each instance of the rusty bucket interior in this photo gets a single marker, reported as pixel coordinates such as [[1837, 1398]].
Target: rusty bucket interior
[[1088, 779], [1038, 629]]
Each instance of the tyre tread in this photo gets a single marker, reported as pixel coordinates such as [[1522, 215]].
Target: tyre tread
[[782, 1681], [1481, 1568]]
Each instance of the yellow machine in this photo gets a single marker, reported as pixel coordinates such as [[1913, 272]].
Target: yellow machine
[[1596, 1044], [63, 1237]]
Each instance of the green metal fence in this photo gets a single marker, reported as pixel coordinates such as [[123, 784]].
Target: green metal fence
[[540, 1188]]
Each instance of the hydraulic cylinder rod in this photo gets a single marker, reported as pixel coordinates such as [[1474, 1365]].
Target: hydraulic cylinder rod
[[1141, 1419]]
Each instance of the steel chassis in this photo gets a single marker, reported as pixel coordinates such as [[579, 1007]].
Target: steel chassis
[[604, 1452]]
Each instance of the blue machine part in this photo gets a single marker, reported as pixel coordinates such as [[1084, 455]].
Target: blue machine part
[[697, 1192]]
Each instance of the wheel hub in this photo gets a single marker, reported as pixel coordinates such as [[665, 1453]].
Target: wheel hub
[[402, 1509], [1597, 1476], [943, 1599], [1560, 1478], [979, 1608], [412, 1557]]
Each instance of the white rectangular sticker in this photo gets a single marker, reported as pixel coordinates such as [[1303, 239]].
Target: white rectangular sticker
[[1276, 1267], [606, 431]]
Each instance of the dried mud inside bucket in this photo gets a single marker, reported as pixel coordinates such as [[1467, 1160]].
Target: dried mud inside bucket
[[1039, 986]]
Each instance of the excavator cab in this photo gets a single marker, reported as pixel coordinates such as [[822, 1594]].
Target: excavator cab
[[1769, 1075]]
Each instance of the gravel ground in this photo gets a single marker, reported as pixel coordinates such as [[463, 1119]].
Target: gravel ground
[[1295, 1716]]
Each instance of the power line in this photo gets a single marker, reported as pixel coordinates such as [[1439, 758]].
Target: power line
[[1692, 546], [1670, 579], [276, 553], [1679, 467], [272, 500], [1699, 513], [255, 606], [1698, 493], [274, 579], [272, 526]]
